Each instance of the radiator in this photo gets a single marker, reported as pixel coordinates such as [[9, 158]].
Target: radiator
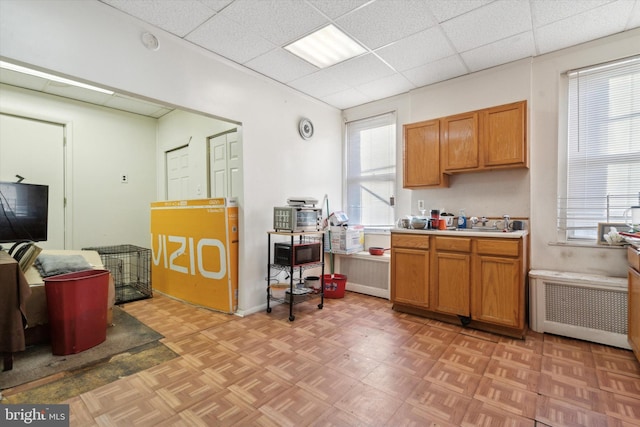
[[366, 274], [587, 307]]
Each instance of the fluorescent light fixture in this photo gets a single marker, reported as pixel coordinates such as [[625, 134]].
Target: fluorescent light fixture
[[326, 47], [35, 73]]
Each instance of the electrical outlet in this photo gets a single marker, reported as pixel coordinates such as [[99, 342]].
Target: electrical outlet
[[421, 205], [124, 178]]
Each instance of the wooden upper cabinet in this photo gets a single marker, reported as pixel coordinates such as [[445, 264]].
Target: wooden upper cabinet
[[421, 155], [504, 136], [460, 146]]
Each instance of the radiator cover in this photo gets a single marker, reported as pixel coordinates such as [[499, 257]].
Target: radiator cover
[[366, 274], [587, 307]]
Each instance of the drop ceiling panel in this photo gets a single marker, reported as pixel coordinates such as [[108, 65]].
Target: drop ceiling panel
[[281, 65], [501, 52], [418, 49], [177, 17], [383, 21], [590, 25], [227, 38], [278, 21], [409, 43], [496, 21], [443, 69]]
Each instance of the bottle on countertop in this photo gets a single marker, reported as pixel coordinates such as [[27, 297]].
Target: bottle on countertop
[[462, 219]]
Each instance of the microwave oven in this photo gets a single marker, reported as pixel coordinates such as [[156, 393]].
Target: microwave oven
[[297, 218], [296, 254]]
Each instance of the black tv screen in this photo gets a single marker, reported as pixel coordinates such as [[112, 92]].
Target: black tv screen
[[24, 212]]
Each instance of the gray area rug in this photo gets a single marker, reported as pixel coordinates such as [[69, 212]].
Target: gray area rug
[[37, 361]]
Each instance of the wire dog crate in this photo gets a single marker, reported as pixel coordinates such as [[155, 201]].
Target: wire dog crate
[[130, 267]]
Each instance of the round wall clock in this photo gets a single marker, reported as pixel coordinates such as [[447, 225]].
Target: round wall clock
[[305, 127]]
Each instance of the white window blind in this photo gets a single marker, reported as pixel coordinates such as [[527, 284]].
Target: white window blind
[[603, 156], [371, 170]]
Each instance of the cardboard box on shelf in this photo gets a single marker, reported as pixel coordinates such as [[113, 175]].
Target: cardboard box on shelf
[[345, 240]]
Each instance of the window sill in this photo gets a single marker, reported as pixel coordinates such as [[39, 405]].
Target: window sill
[[590, 244]]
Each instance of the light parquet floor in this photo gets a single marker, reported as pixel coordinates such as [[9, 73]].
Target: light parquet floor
[[358, 363]]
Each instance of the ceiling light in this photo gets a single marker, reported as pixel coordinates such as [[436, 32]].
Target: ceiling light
[[35, 73], [326, 47]]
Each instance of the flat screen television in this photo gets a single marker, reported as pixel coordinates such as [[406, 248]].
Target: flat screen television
[[24, 212]]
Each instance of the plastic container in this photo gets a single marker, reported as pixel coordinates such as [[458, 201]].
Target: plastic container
[[334, 286], [77, 307], [313, 282], [462, 219]]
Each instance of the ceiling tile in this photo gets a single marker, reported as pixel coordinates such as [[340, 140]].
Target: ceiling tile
[[227, 38], [501, 52], [334, 9], [545, 12], [356, 71], [175, 16], [441, 70], [278, 21], [386, 87], [281, 65], [347, 98], [318, 84], [444, 10], [418, 49], [382, 22], [590, 25], [496, 21]]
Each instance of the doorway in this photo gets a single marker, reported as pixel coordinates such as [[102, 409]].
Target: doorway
[[177, 163], [225, 165], [45, 165]]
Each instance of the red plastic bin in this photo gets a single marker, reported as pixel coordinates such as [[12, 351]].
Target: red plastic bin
[[77, 307], [334, 285]]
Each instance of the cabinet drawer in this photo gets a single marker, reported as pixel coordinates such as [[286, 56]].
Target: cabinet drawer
[[633, 256], [409, 241], [509, 247], [459, 244]]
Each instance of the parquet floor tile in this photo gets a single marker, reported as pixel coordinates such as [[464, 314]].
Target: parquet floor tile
[[357, 362]]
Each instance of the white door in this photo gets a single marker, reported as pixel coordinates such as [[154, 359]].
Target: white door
[[177, 163], [225, 161], [35, 150]]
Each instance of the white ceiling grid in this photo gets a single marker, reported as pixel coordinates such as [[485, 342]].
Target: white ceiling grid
[[409, 43]]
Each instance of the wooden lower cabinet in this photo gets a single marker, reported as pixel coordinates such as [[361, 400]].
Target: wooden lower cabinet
[[476, 282], [410, 270], [496, 293]]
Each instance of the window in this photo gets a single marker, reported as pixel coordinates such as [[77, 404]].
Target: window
[[371, 170], [603, 151]]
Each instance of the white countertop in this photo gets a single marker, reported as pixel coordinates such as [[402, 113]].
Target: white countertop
[[465, 233]]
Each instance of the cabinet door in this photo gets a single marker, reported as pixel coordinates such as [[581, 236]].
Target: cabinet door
[[421, 155], [496, 295], [634, 312], [460, 142], [504, 135], [452, 283], [410, 276]]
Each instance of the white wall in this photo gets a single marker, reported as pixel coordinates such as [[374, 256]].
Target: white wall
[[90, 41], [102, 144]]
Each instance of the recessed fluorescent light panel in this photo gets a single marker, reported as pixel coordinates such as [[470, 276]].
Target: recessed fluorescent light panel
[[35, 73], [326, 47]]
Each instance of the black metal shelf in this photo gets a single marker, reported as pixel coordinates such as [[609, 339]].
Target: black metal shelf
[[317, 236]]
